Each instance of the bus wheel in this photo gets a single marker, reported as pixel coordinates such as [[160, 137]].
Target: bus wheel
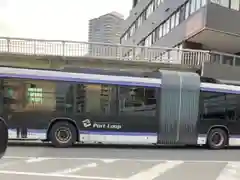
[[63, 134], [217, 139]]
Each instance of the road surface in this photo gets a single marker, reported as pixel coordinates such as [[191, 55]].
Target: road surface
[[119, 163]]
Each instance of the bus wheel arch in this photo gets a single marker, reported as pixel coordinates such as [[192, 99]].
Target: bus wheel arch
[[60, 125], [221, 135]]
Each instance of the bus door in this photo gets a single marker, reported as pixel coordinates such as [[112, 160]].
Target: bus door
[[178, 116]]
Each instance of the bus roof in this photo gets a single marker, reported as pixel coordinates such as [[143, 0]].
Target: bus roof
[[8, 72]]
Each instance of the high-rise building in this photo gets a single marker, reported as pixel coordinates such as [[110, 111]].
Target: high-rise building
[[106, 28]]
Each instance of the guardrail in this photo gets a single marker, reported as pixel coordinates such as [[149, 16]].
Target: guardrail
[[36, 47]]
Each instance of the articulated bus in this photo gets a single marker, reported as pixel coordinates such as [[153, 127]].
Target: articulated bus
[[167, 108]]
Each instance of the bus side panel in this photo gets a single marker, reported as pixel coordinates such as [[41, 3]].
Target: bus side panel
[[220, 110], [130, 118], [30, 105]]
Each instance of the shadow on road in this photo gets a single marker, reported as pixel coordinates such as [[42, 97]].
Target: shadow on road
[[165, 147]]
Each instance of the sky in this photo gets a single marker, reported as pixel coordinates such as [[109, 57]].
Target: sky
[[54, 19]]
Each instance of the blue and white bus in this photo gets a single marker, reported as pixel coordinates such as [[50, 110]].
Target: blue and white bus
[[166, 107]]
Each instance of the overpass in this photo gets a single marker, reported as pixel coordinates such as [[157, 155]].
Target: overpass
[[57, 54]]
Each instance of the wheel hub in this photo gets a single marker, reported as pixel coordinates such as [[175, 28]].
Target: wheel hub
[[63, 135], [217, 139]]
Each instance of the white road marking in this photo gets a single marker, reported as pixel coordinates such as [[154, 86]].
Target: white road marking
[[73, 170], [119, 159], [230, 172], [57, 175], [36, 159], [155, 171], [108, 160], [3, 165]]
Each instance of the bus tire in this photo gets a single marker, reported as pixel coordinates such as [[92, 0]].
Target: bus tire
[[63, 134], [217, 139]]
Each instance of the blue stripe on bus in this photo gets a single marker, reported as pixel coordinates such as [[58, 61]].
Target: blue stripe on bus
[[220, 90], [95, 132], [118, 133], [37, 130], [31, 130], [71, 79]]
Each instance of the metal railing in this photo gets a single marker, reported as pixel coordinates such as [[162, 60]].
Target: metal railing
[[36, 47], [224, 58]]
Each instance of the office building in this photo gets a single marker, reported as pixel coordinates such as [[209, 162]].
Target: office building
[[193, 24]]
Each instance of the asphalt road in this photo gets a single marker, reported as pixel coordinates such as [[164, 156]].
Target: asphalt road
[[119, 163]]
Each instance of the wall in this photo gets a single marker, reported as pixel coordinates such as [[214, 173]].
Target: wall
[[222, 71], [223, 19]]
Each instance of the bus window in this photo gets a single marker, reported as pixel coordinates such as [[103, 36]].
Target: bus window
[[137, 100], [213, 104], [219, 105], [232, 106], [99, 99]]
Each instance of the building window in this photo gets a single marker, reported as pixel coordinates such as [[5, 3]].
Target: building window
[[198, 4], [177, 18], [193, 6], [126, 37], [203, 2], [182, 14], [224, 3], [173, 19], [132, 30], [137, 23], [149, 10], [187, 10], [167, 26], [159, 2], [235, 4], [160, 34], [148, 41], [140, 20], [164, 28], [156, 35]]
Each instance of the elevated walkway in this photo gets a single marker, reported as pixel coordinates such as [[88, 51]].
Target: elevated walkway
[[53, 54]]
